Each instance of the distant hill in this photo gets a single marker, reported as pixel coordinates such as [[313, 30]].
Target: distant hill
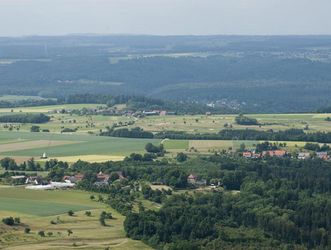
[[253, 74]]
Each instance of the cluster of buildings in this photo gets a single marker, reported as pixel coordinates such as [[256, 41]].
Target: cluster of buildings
[[272, 153], [112, 111], [284, 153], [319, 155], [68, 181]]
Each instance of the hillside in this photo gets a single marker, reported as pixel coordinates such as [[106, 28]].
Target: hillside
[[253, 74]]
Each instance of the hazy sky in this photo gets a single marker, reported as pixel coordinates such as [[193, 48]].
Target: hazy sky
[[164, 17]]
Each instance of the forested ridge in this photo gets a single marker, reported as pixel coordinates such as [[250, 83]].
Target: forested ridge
[[254, 74], [269, 203], [282, 204]]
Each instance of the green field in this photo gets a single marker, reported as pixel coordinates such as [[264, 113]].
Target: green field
[[37, 209], [40, 203]]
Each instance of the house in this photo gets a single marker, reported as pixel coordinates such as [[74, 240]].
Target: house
[[101, 177], [303, 156], [322, 155], [154, 112], [247, 154], [73, 178], [163, 113], [275, 153], [252, 155], [256, 155], [192, 179]]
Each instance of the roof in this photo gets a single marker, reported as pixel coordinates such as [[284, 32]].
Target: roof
[[191, 176], [277, 152], [18, 177]]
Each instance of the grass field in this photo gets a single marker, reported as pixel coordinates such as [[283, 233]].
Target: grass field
[[188, 123], [214, 123], [37, 208], [207, 146]]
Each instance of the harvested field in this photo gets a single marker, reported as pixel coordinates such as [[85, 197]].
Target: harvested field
[[91, 158], [31, 144]]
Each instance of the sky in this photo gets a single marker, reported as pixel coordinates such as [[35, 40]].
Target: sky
[[165, 17]]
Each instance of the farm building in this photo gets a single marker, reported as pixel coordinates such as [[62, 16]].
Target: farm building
[[51, 186]]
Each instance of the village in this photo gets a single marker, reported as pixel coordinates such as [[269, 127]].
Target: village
[[283, 153]]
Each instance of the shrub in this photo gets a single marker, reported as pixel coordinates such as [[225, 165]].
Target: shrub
[[41, 233], [8, 221], [71, 213], [35, 128], [17, 220], [181, 157], [27, 230]]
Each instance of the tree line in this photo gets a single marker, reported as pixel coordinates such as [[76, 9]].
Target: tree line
[[25, 118], [250, 134]]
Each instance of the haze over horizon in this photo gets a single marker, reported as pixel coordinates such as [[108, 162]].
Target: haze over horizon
[[165, 17]]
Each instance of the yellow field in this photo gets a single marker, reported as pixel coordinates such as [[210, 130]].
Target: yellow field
[[90, 158], [216, 145]]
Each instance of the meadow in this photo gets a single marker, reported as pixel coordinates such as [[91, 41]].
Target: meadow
[[37, 209], [215, 123]]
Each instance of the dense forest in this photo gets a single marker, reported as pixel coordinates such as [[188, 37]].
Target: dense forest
[[281, 204], [253, 74]]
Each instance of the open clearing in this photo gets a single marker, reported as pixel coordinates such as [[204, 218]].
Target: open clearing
[[87, 231]]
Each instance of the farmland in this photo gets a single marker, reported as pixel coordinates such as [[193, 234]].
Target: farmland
[[59, 145], [37, 208], [188, 123], [17, 141], [214, 123]]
